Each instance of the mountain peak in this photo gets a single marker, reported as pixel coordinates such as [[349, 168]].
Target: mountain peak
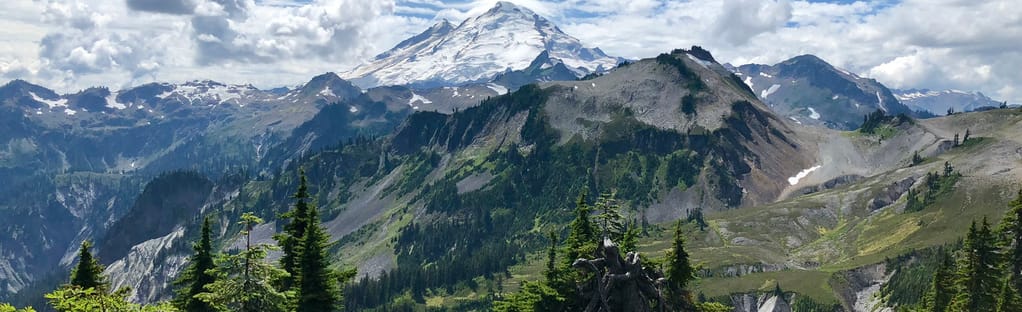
[[505, 38], [506, 7]]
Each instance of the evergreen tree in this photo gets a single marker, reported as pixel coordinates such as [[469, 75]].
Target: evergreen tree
[[290, 239], [1009, 299], [88, 273], [948, 169], [582, 238], [630, 239], [938, 297], [318, 290], [977, 283], [551, 254], [1011, 237], [244, 281], [609, 217], [197, 275], [966, 137], [679, 270], [956, 140]]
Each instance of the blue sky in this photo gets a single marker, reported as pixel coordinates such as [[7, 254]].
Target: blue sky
[[72, 44]]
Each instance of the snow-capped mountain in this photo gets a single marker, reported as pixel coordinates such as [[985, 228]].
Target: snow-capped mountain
[[938, 102], [505, 38], [807, 89]]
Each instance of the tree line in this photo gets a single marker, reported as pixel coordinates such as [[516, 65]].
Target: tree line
[[243, 280]]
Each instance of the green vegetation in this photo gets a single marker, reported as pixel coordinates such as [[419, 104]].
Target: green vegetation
[[88, 273], [937, 185], [880, 124], [197, 275]]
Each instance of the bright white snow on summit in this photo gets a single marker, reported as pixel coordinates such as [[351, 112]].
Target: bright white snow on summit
[[507, 37]]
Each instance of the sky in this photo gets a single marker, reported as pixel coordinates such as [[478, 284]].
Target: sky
[[69, 45]]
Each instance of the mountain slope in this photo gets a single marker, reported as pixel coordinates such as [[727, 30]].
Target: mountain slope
[[505, 38], [808, 90]]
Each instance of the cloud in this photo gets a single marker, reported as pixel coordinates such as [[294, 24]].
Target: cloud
[[163, 6], [968, 45], [741, 20]]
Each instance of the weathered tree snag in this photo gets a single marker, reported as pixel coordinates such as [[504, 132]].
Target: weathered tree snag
[[619, 284]]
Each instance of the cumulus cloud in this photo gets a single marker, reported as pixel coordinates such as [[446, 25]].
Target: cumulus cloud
[[741, 20], [968, 45], [163, 6]]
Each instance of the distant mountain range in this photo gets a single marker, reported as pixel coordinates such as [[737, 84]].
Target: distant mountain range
[[938, 102], [504, 39]]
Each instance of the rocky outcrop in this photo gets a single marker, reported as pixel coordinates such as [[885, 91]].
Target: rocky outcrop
[[891, 193]]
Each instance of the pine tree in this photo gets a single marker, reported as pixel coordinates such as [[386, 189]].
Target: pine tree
[[1009, 299], [938, 297], [966, 137], [976, 282], [318, 290], [956, 140], [290, 239], [197, 275], [88, 273], [679, 271], [244, 281], [916, 159]]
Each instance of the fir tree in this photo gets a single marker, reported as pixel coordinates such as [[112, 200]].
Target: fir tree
[[956, 140], [582, 238], [244, 281], [551, 254], [88, 273], [938, 297], [290, 239], [609, 217], [977, 282], [197, 275], [679, 270], [1009, 299], [966, 137], [318, 289]]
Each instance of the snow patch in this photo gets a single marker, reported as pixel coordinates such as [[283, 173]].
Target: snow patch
[[70, 112], [796, 120], [813, 114], [834, 97], [352, 109], [111, 101], [418, 98], [748, 81], [769, 91], [765, 75], [51, 103], [497, 88], [326, 92], [804, 173]]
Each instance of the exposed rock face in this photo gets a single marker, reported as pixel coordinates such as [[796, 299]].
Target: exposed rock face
[[767, 302], [891, 193]]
